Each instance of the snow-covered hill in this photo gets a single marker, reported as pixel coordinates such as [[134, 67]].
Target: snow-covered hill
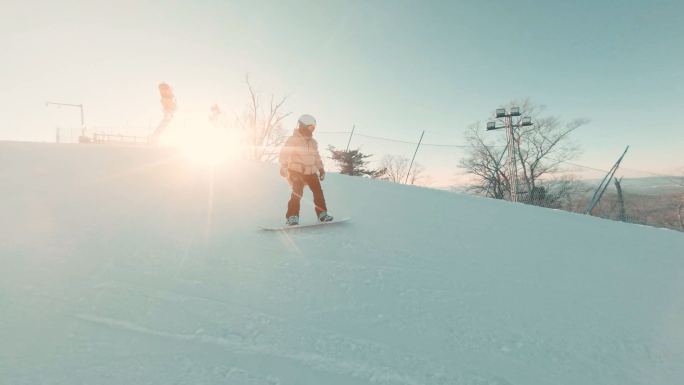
[[137, 266]]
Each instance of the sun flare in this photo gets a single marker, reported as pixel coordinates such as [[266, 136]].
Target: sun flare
[[209, 145]]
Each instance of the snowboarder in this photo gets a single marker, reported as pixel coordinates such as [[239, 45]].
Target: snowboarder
[[300, 162]]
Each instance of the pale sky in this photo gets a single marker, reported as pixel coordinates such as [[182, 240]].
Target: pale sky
[[392, 68]]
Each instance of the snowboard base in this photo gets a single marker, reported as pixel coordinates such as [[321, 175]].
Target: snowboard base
[[300, 226]]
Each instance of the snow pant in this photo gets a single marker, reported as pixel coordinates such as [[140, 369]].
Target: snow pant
[[298, 181]]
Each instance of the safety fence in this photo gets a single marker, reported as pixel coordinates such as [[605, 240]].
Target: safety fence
[[99, 137], [103, 134]]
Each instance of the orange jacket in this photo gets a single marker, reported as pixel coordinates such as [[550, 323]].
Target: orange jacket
[[300, 153]]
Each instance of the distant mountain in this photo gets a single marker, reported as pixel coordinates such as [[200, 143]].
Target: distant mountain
[[648, 186]]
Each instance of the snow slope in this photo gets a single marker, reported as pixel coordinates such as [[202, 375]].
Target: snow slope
[[136, 266]]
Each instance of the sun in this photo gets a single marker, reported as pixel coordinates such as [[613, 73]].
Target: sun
[[210, 145]]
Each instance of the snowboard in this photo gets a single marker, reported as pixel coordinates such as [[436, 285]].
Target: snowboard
[[305, 226]]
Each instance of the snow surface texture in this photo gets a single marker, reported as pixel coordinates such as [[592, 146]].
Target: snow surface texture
[[133, 266]]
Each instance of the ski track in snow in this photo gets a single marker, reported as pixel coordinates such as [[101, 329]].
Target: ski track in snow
[[242, 328], [261, 332]]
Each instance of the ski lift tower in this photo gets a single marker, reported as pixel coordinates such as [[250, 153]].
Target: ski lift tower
[[510, 126], [168, 101]]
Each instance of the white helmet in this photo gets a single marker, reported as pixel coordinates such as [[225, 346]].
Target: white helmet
[[307, 121]]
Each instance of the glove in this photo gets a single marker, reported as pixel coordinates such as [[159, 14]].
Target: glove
[[283, 172], [322, 175]]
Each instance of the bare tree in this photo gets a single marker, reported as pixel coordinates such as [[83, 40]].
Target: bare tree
[[541, 151], [262, 126], [571, 193], [418, 177], [396, 169], [482, 163]]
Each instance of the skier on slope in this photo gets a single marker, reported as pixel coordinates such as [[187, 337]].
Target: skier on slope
[[300, 161]]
